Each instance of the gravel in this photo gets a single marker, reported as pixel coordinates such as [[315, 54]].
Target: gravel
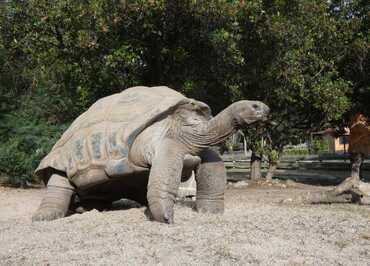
[[256, 229]]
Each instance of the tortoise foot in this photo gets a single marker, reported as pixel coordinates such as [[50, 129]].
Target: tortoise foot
[[48, 214], [210, 206], [161, 211]]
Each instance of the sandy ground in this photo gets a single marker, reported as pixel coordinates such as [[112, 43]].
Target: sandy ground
[[256, 229]]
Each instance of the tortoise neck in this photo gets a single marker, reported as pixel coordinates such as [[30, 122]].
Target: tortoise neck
[[208, 133]]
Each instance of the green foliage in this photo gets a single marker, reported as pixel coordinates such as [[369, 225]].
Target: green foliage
[[20, 154], [319, 146], [290, 52], [296, 152], [73, 49], [353, 56], [27, 138]]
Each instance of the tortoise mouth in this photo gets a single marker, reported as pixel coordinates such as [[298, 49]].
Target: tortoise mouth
[[260, 118], [262, 121]]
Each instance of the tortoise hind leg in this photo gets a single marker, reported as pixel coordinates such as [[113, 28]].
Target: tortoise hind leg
[[56, 201], [211, 181]]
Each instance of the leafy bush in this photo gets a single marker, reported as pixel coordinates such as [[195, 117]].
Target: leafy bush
[[320, 146], [28, 141], [296, 151], [28, 133]]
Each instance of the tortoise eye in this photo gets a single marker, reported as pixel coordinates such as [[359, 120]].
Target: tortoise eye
[[256, 106]]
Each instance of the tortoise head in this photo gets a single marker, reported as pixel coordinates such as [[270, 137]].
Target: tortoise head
[[246, 112]]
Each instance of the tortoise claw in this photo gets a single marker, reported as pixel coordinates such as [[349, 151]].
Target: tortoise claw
[[47, 214]]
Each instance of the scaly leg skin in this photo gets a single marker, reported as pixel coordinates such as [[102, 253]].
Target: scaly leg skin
[[164, 180], [56, 202], [211, 183]]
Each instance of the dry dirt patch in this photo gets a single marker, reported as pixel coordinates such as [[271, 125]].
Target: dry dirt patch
[[256, 229]]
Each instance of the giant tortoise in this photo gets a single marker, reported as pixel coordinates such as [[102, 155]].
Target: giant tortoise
[[139, 144]]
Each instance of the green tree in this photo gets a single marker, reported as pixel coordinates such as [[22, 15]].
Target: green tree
[[289, 64], [353, 56]]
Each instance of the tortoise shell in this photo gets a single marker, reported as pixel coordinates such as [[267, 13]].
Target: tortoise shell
[[105, 132]]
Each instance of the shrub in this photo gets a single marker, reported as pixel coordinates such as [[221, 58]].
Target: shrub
[[27, 143], [320, 146], [296, 152], [28, 133]]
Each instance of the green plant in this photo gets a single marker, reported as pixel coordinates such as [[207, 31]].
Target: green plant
[[320, 146], [28, 141], [296, 151]]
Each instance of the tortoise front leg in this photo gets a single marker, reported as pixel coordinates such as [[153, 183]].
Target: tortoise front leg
[[56, 201], [211, 183], [164, 180]]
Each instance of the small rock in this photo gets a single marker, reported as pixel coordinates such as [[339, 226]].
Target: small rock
[[291, 183], [240, 184], [288, 200], [365, 200]]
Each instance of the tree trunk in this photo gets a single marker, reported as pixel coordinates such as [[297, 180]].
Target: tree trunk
[[351, 189], [350, 182], [272, 168], [273, 164], [356, 164], [255, 166]]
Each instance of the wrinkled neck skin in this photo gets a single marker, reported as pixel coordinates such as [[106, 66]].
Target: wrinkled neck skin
[[197, 135]]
